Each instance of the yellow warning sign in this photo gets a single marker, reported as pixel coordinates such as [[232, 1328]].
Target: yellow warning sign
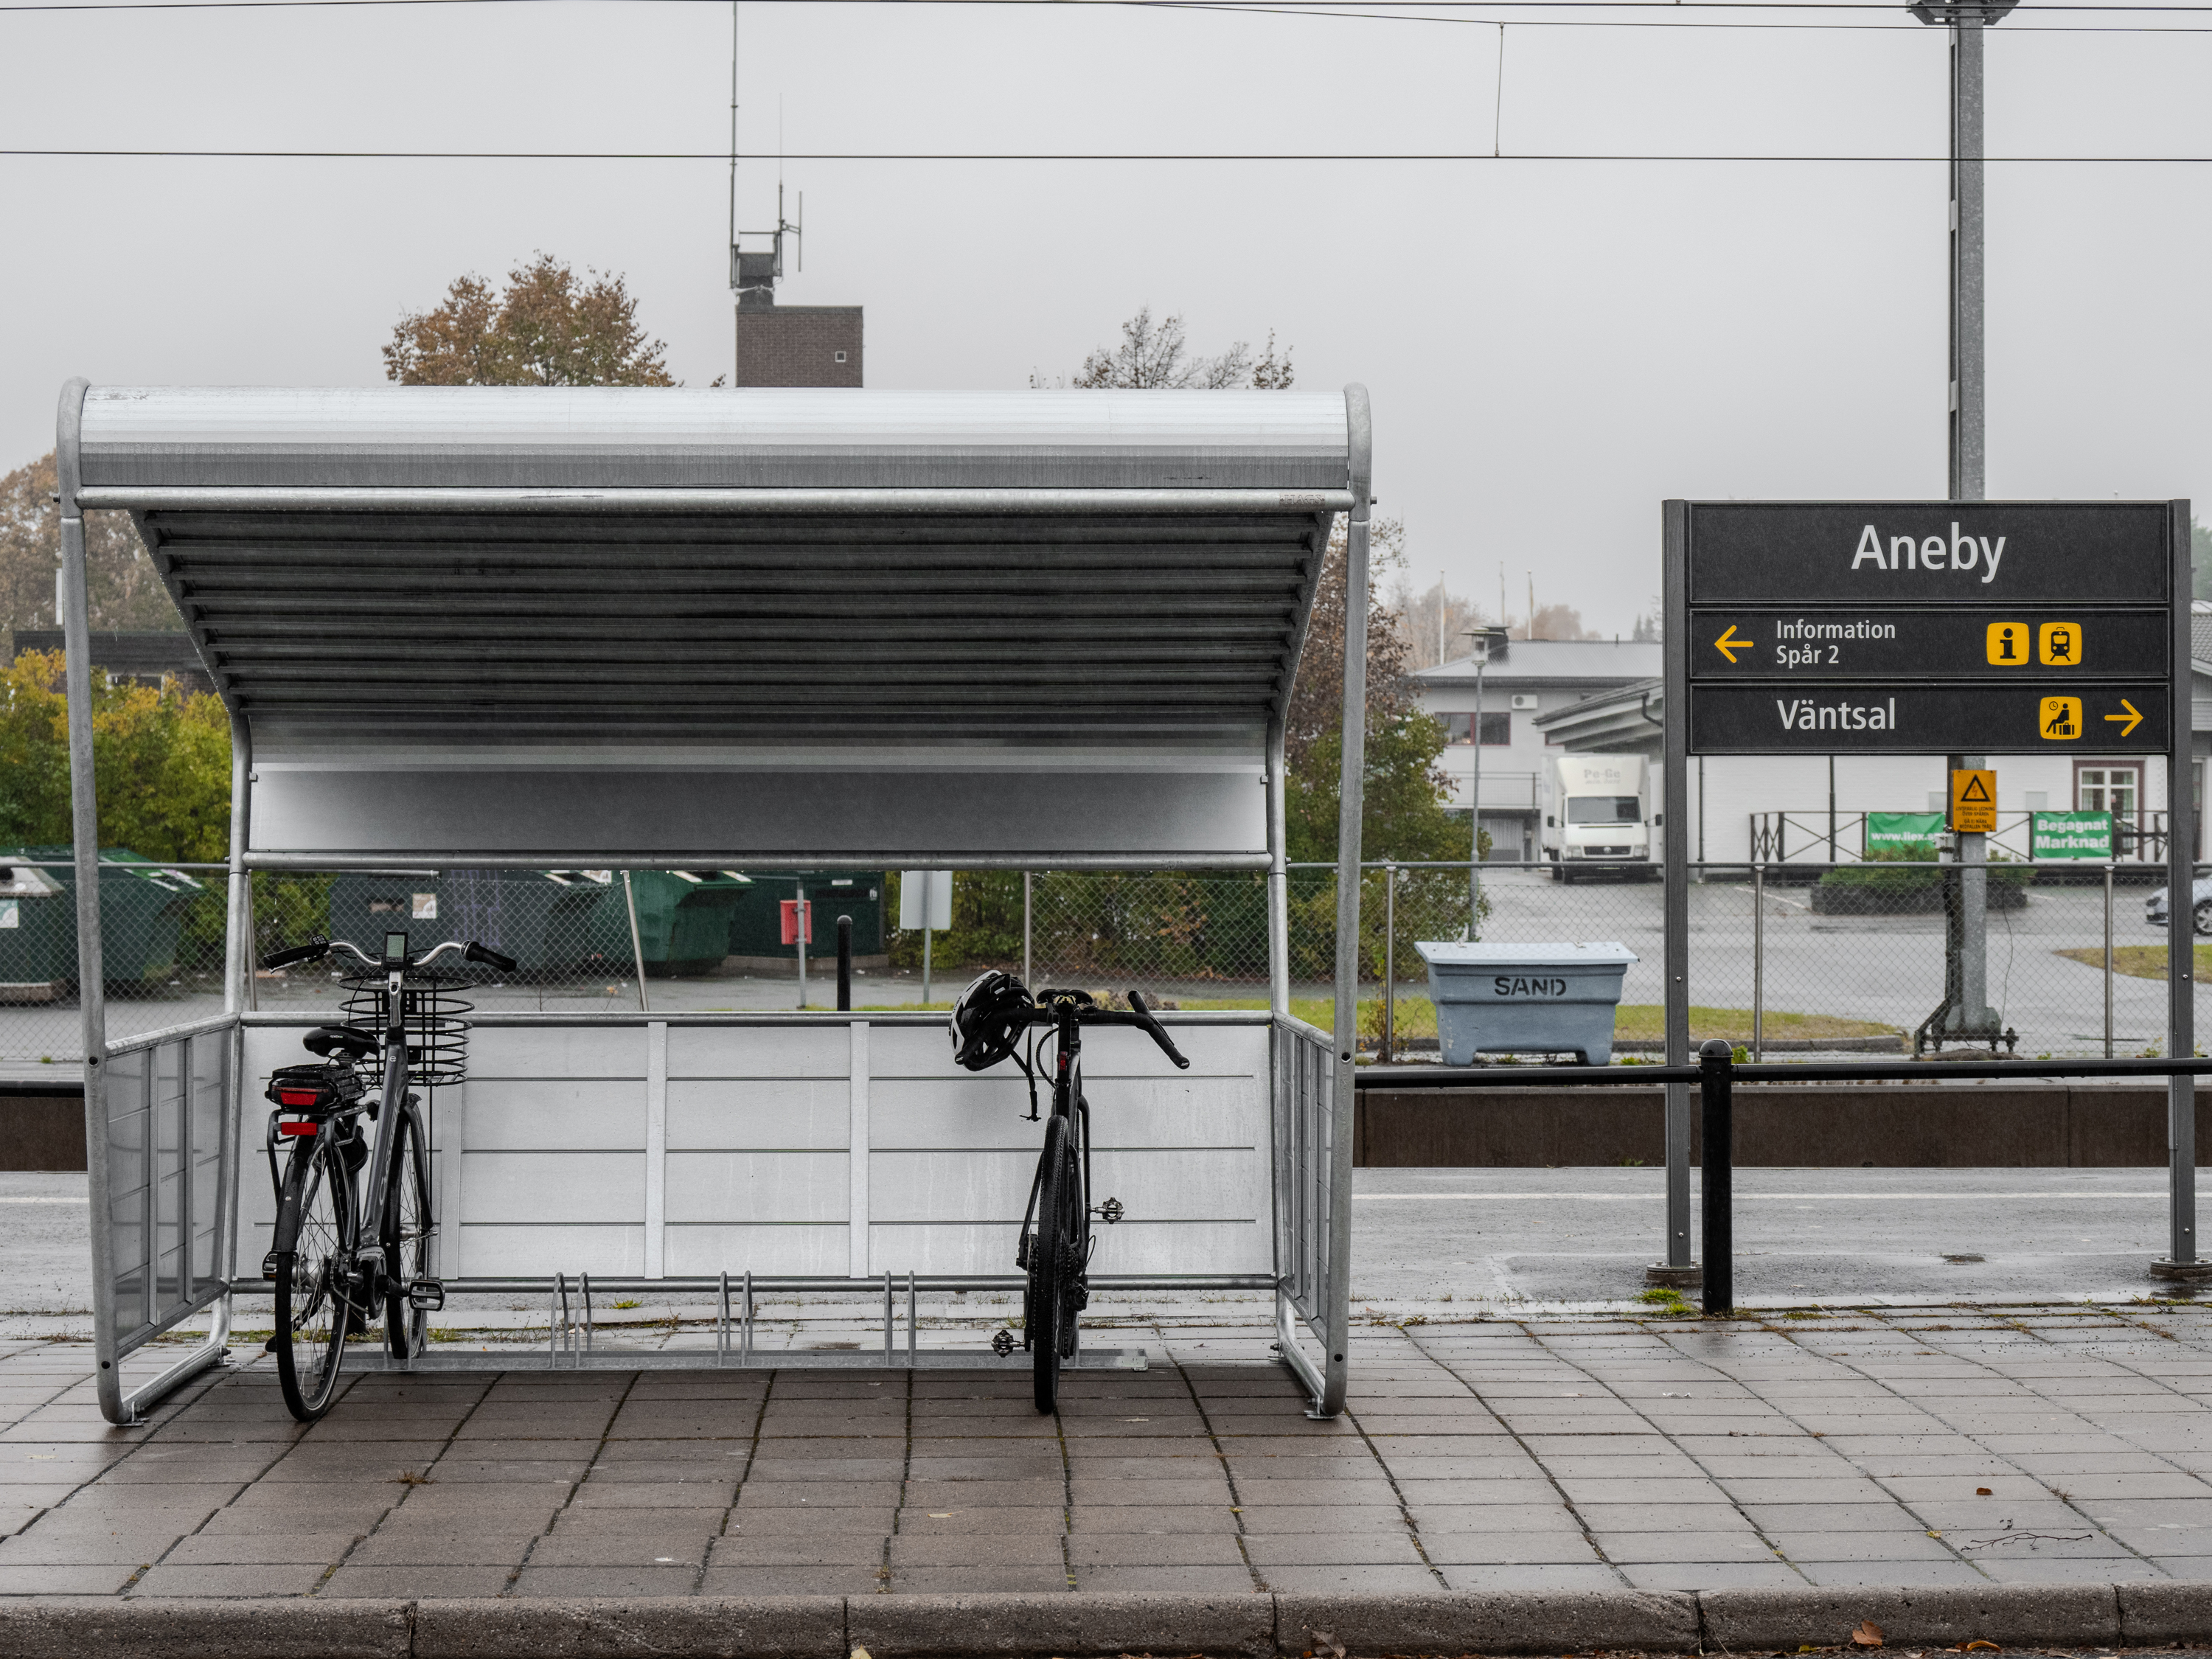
[[2058, 645], [2007, 645], [1974, 802], [2059, 718]]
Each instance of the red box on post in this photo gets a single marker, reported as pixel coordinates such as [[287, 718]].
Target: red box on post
[[797, 921]]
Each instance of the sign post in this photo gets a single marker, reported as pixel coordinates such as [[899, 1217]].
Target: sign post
[[1960, 629]]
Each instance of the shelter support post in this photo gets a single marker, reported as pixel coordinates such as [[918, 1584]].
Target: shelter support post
[[1676, 1268], [1350, 802], [1279, 893], [84, 829], [2182, 1261], [167, 1287], [637, 943]]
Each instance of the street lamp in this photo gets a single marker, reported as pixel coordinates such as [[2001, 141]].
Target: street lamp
[[1479, 652]]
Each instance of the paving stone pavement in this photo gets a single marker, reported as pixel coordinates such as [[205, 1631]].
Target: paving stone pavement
[[1955, 1447]]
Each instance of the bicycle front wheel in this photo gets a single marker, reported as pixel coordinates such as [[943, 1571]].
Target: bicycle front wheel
[[1055, 1261], [406, 1238], [313, 1314]]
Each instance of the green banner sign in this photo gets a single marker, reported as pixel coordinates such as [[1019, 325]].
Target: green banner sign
[[2070, 835], [1892, 831]]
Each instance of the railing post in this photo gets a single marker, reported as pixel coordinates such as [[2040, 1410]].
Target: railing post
[[2108, 954], [1759, 962], [1389, 960], [1027, 978], [1716, 1062], [844, 964]]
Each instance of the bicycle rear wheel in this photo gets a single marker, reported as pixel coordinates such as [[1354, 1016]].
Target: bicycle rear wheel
[[1055, 1261], [313, 1314], [405, 1234]]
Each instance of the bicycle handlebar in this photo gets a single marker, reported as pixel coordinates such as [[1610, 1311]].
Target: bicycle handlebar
[[1139, 1016], [322, 947], [1158, 1033]]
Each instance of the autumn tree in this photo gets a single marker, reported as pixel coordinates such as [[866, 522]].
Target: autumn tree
[[1156, 355], [1558, 622], [1436, 622], [125, 589], [1403, 814], [548, 328], [161, 757]]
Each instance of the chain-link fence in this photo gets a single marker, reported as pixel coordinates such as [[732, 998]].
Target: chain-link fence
[[1815, 960]]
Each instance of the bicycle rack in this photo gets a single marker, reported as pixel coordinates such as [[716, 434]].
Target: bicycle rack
[[277, 478]]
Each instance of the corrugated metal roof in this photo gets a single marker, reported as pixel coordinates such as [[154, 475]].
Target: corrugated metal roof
[[585, 582]]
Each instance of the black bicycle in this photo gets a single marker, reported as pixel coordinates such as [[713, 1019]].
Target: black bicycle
[[334, 1275], [1053, 1250]]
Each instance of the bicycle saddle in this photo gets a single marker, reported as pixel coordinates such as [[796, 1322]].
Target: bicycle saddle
[[328, 1040]]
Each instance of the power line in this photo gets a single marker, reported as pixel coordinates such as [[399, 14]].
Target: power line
[[1260, 7], [1292, 157]]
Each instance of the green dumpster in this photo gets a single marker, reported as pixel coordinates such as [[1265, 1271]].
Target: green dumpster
[[555, 924], [757, 931], [143, 906], [684, 918]]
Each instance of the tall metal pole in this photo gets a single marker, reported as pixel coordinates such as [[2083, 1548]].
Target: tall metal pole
[[1966, 434], [1966, 973], [1474, 800], [2182, 1261], [1675, 578]]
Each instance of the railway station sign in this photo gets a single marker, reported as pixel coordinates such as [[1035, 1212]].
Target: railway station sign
[[1927, 628]]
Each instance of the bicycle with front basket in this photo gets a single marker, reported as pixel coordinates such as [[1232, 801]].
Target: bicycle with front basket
[[1054, 1249], [335, 1271]]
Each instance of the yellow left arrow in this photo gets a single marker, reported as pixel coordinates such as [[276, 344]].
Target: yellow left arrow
[[1728, 645], [2132, 717]]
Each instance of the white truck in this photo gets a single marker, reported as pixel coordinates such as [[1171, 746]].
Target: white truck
[[1598, 818]]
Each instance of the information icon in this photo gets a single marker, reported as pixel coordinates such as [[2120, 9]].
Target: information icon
[[2008, 644]]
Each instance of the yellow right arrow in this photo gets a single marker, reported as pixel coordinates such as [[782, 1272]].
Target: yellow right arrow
[[1728, 645], [2132, 717]]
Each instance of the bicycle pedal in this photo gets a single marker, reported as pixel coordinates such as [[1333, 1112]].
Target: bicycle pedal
[[1002, 1342], [1110, 1212], [269, 1265], [426, 1296]]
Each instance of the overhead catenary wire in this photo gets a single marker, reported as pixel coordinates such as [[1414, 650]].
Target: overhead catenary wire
[[1224, 157]]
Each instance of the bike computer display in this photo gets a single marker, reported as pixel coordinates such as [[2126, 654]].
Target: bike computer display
[[395, 947]]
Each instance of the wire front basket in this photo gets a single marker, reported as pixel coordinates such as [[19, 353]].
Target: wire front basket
[[435, 1018]]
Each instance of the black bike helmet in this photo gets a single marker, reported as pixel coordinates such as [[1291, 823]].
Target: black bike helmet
[[988, 1019]]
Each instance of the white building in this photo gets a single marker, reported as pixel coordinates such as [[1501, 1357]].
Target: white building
[[1526, 681], [1545, 698]]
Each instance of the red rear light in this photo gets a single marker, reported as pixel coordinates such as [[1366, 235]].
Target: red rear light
[[297, 1096], [295, 1129]]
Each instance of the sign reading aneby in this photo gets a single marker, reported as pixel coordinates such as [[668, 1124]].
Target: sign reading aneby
[[1927, 628], [1930, 553]]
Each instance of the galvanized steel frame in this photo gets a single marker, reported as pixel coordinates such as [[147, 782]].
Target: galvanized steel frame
[[1312, 1197]]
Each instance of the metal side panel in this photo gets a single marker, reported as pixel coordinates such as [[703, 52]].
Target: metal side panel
[[158, 1201], [766, 1125], [549, 813]]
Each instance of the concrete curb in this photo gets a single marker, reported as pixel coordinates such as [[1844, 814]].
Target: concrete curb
[[1084, 1626]]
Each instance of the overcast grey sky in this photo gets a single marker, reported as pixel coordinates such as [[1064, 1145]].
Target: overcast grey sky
[[1552, 346]]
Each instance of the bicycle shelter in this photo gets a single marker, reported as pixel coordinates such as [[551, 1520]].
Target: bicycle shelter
[[653, 627]]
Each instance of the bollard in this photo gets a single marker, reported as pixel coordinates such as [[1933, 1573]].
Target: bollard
[[1715, 1060], [844, 964]]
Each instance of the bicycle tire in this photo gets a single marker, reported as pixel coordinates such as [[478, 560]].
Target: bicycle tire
[[1055, 1257], [313, 1314], [405, 1233]]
